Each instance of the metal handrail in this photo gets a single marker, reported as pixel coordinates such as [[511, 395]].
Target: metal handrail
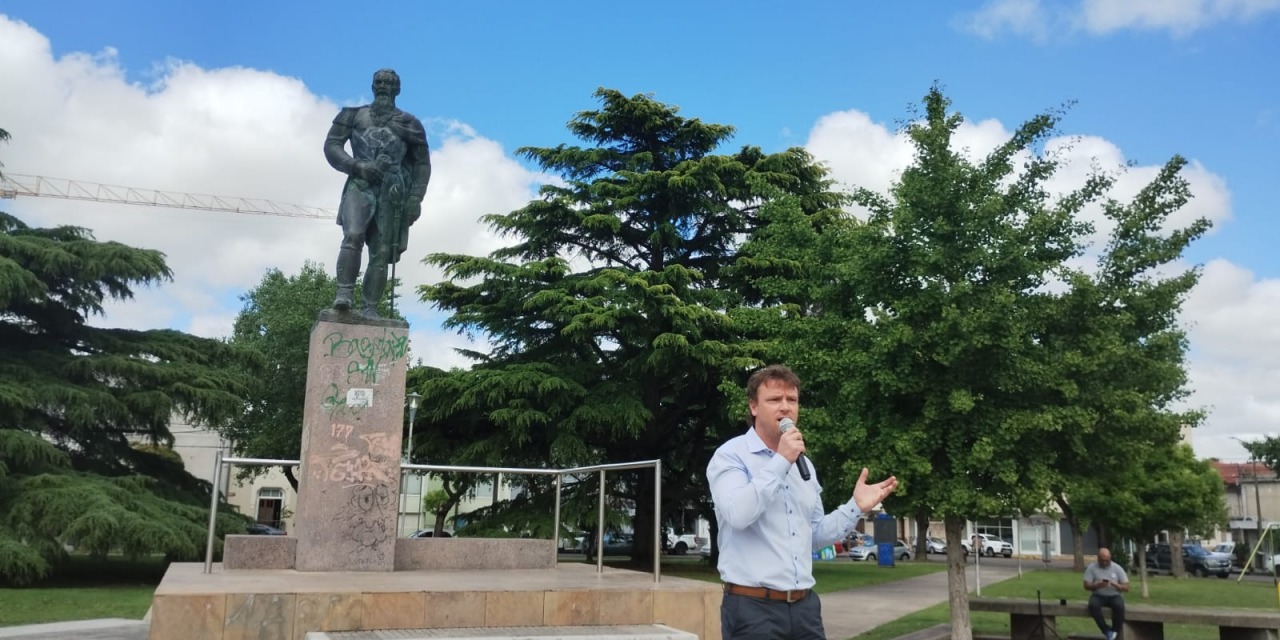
[[219, 461]]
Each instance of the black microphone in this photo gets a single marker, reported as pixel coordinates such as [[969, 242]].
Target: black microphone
[[801, 462]]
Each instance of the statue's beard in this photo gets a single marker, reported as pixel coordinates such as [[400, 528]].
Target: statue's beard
[[382, 108]]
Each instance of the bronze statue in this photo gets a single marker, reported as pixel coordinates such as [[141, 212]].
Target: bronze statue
[[387, 174]]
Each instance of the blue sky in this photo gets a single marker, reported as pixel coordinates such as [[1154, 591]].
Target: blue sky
[[1194, 77], [516, 71]]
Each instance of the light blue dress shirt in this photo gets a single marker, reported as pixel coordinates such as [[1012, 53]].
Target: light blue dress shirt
[[770, 519]]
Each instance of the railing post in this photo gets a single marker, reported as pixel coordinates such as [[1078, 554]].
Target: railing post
[[600, 528], [555, 527], [657, 521], [213, 510]]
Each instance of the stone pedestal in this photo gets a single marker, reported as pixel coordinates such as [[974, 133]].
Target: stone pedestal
[[349, 481]]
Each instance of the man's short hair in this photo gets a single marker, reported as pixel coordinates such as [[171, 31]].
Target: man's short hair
[[774, 372]]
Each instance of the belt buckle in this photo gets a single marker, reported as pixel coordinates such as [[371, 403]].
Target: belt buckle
[[789, 600]]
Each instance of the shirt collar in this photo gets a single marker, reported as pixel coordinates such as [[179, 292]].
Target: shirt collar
[[754, 443]]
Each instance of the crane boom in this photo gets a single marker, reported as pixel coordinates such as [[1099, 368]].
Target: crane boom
[[13, 185]]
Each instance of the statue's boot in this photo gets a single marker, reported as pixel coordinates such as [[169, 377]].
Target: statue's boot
[[375, 280], [348, 267]]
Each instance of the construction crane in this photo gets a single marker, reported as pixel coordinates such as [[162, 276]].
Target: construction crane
[[13, 185]]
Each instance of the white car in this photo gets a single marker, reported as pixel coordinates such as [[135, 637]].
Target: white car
[[682, 544], [991, 546]]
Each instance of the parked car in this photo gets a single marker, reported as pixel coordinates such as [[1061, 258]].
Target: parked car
[[935, 545], [259, 529], [615, 544], [429, 533], [1195, 559], [868, 550], [991, 546], [681, 544], [705, 549]]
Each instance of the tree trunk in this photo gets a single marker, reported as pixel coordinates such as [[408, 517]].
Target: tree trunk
[[293, 481], [442, 514], [1142, 571], [922, 532], [1077, 536], [642, 524], [957, 587], [1177, 567]]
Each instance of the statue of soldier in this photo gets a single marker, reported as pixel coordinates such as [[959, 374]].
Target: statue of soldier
[[387, 174]]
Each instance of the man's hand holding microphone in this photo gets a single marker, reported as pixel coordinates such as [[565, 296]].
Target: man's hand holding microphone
[[866, 496]]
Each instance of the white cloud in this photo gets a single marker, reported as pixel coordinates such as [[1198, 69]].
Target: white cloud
[[1232, 317], [235, 132], [1038, 19], [1235, 338], [1026, 18]]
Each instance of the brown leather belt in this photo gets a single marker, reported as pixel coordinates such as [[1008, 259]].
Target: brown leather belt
[[765, 593]]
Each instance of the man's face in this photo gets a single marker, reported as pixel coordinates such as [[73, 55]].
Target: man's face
[[385, 84], [1104, 559], [774, 401]]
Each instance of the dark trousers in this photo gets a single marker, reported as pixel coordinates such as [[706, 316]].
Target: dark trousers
[[1116, 604], [747, 618]]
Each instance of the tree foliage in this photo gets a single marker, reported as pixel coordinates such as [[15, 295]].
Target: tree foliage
[[936, 336], [276, 322], [607, 312], [1165, 489], [75, 400], [1266, 451], [1120, 351]]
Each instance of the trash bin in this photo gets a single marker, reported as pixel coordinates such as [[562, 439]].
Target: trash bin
[[886, 536]]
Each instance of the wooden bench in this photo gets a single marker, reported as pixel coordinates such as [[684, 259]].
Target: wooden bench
[[1141, 621]]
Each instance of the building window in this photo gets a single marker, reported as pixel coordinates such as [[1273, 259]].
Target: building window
[[271, 507]]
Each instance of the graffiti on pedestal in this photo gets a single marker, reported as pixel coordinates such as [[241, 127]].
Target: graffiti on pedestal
[[364, 465]]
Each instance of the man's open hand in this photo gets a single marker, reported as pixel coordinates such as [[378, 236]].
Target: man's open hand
[[867, 496]]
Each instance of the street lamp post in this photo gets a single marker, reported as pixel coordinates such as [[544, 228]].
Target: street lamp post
[[412, 400]]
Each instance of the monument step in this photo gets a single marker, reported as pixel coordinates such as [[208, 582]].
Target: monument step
[[599, 632]]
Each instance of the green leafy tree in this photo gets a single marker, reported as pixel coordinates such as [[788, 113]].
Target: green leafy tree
[[276, 322], [1166, 489], [1266, 451], [459, 440], [76, 401], [1119, 349], [915, 328], [606, 315]]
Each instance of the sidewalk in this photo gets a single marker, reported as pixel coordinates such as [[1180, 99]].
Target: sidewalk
[[104, 629], [846, 614]]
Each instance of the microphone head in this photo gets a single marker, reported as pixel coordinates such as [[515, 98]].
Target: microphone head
[[786, 423]]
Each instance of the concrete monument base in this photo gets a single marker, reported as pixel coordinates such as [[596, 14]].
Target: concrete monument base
[[286, 604], [411, 554]]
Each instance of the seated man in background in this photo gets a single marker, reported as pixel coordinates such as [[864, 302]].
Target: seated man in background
[[1106, 580]]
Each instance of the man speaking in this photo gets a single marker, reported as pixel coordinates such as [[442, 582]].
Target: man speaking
[[771, 519]]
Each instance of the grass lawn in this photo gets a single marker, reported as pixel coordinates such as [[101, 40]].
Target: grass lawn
[[831, 575], [84, 589], [1054, 584]]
